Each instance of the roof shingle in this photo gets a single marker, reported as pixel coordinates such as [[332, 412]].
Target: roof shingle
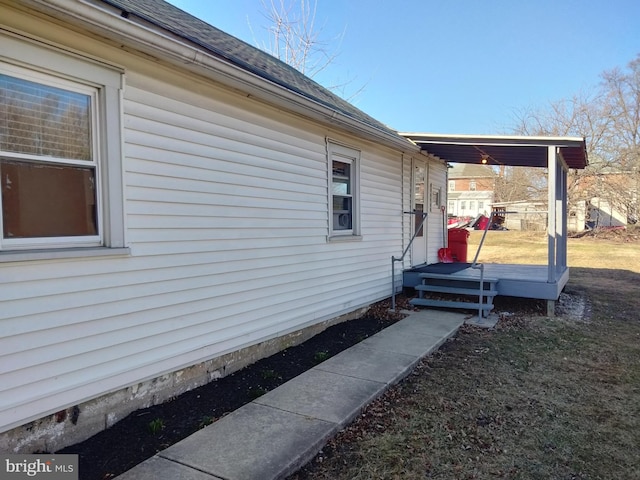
[[215, 41]]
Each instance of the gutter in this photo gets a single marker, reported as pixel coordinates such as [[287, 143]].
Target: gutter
[[166, 47]]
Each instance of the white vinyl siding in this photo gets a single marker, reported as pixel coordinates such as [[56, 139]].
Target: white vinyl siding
[[227, 223]]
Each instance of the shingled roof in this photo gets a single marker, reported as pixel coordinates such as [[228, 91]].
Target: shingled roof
[[216, 42]]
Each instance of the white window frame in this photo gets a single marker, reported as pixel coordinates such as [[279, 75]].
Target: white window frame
[[435, 197], [342, 153], [41, 63]]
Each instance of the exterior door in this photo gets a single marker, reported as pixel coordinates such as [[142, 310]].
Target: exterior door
[[419, 181]]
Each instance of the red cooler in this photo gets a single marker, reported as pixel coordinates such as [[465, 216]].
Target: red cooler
[[458, 244]]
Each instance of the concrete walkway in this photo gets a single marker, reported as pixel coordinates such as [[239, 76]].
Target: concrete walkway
[[276, 434]]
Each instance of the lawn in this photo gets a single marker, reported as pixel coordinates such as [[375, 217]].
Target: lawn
[[537, 398], [611, 250]]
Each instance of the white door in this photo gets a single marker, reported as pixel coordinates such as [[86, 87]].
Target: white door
[[419, 181]]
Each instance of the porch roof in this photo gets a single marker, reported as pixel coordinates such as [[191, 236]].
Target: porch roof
[[518, 151]]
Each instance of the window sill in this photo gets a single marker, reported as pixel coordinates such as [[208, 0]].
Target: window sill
[[344, 238], [54, 254]]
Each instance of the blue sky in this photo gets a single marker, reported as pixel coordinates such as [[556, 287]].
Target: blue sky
[[445, 66]]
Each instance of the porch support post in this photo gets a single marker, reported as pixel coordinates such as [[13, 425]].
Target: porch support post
[[562, 213], [552, 185]]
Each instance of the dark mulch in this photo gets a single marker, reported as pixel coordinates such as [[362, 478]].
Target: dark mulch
[[145, 432]]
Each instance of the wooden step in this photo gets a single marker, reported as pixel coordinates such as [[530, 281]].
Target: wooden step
[[425, 302], [458, 278], [455, 290]]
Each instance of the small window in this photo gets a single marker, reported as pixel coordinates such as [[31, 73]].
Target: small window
[[452, 206], [472, 205], [436, 198], [463, 205], [472, 185], [480, 205], [452, 185], [344, 192]]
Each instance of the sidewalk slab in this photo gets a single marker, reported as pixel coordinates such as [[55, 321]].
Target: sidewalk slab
[[254, 442], [159, 468], [431, 322], [276, 434], [323, 395], [419, 334], [370, 364]]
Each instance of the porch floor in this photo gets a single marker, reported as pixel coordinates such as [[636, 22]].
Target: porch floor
[[525, 281]]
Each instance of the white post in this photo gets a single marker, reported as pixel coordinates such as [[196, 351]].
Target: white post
[[552, 185]]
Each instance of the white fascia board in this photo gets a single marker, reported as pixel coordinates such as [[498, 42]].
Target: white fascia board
[[106, 21], [497, 140]]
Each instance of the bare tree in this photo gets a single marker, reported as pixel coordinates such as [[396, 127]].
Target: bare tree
[[295, 38], [520, 183], [609, 119]]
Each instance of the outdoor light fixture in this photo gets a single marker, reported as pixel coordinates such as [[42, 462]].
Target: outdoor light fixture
[[484, 158]]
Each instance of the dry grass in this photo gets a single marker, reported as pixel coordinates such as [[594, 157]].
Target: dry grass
[[531, 248], [537, 398]]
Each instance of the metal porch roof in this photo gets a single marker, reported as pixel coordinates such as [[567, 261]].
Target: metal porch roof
[[518, 151]]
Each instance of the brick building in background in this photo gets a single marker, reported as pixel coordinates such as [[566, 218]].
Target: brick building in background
[[470, 190]]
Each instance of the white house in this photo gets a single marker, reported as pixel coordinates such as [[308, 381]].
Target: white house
[[175, 205]]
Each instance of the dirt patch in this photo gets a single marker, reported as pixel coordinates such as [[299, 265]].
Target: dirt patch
[[614, 234]]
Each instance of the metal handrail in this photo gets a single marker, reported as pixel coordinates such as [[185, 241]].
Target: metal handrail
[[394, 259], [484, 234], [475, 264]]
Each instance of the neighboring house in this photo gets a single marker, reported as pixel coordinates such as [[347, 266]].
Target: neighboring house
[[608, 199], [176, 204], [470, 190], [602, 213]]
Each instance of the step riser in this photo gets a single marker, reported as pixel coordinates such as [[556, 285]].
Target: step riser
[[455, 290], [484, 291], [423, 302]]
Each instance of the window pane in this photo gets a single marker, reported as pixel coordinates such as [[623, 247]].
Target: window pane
[[47, 200], [342, 210], [340, 187], [342, 221], [341, 169], [41, 120]]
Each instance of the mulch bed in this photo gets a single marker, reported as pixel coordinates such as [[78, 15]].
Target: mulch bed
[[145, 432]]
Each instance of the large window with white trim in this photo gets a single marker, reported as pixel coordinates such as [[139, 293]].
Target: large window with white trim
[[48, 159], [60, 152], [344, 201]]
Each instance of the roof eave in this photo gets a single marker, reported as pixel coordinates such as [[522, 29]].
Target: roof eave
[[464, 139], [572, 149], [105, 20]]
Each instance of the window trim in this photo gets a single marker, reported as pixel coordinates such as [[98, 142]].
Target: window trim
[[54, 62], [337, 151], [93, 163]]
